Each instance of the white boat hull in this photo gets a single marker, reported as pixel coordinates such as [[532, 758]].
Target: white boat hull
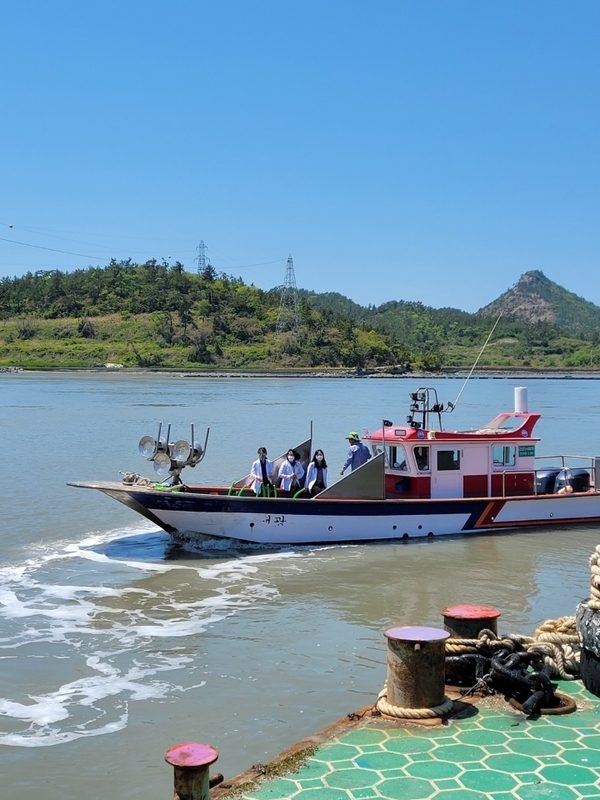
[[186, 514]]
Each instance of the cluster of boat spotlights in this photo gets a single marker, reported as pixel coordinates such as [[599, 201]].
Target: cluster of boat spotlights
[[171, 457]]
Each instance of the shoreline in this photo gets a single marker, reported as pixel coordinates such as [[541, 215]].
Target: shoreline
[[453, 373]]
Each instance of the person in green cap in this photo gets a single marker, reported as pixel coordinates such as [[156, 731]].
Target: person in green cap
[[358, 454]]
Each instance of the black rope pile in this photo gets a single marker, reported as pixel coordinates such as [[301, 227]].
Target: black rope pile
[[507, 673], [518, 667]]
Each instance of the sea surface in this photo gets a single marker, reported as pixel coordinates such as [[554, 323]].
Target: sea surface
[[115, 645]]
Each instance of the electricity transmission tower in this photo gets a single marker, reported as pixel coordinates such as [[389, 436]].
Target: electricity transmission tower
[[201, 257], [288, 319]]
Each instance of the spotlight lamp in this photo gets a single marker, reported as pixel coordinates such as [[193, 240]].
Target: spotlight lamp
[[162, 464], [147, 446], [180, 451], [170, 458]]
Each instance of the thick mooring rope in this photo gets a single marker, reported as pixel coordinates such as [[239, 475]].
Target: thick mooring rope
[[594, 601], [383, 706], [556, 642]]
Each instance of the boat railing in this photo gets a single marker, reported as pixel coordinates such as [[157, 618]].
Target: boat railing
[[588, 462], [591, 463], [589, 459]]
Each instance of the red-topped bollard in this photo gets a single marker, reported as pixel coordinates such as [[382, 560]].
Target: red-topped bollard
[[415, 667], [467, 621], [191, 762]]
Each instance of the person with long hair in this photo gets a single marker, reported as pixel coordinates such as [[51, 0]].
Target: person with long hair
[[316, 474], [291, 472]]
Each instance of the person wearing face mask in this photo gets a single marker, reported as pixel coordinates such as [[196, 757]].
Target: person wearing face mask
[[262, 474], [291, 472], [316, 474]]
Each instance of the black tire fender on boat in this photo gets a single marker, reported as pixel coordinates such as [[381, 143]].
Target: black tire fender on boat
[[588, 629]]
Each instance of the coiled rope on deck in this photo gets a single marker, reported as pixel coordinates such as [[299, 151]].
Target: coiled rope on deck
[[556, 642], [594, 601], [384, 707]]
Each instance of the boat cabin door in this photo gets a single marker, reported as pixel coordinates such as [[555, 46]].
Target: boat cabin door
[[446, 473]]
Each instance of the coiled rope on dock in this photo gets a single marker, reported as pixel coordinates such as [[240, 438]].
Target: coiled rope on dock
[[594, 601], [556, 642], [384, 707]]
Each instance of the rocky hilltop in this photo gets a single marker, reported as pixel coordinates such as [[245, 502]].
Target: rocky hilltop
[[535, 298]]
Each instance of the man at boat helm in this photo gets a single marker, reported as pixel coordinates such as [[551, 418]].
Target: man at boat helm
[[358, 454]]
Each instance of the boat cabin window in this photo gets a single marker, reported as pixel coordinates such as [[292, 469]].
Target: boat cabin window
[[448, 459], [504, 456], [395, 456], [422, 458]]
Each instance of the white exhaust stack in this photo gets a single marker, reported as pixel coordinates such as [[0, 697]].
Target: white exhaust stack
[[520, 400]]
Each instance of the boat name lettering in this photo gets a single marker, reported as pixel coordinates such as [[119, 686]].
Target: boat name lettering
[[276, 520]]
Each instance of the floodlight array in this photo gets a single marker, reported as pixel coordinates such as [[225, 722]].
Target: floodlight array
[[170, 458]]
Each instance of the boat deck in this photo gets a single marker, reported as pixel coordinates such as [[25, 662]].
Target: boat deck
[[493, 752]]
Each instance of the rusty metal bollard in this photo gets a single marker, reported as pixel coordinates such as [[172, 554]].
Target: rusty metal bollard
[[190, 763], [415, 666], [466, 621]]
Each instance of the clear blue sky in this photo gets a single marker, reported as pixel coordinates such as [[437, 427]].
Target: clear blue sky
[[430, 150]]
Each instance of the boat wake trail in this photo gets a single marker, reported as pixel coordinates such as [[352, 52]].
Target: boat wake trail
[[113, 620]]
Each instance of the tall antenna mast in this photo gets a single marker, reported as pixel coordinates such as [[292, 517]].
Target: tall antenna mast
[[201, 257], [288, 319]]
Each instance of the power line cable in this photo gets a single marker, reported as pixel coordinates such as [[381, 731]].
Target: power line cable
[[53, 249]]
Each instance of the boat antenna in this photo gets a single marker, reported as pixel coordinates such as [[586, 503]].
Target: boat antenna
[[485, 344]]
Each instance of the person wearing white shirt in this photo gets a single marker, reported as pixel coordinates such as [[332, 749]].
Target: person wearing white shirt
[[262, 473], [316, 474], [291, 472]]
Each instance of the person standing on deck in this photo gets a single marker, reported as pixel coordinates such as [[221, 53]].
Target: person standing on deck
[[358, 454]]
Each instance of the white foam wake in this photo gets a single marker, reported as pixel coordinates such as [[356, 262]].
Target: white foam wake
[[85, 628]]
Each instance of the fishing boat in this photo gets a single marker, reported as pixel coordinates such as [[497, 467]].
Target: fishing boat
[[420, 481]]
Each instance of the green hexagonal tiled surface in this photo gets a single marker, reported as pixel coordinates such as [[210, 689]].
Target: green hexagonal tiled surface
[[381, 761], [479, 737], [537, 791], [406, 789], [351, 779], [582, 758], [433, 770], [491, 755], [488, 780]]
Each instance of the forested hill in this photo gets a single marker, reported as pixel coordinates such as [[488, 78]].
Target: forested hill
[[157, 314]]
